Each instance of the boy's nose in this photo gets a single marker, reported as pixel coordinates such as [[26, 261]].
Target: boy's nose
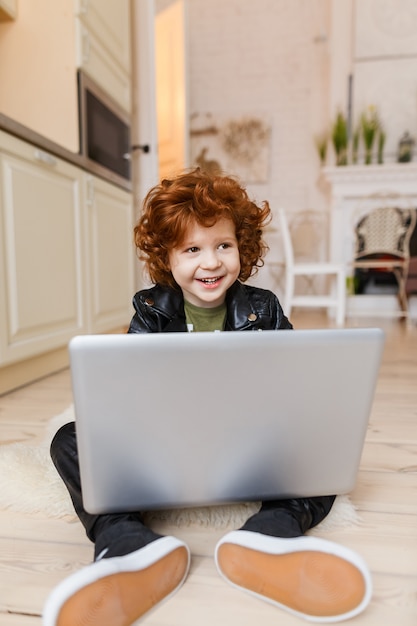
[[210, 260]]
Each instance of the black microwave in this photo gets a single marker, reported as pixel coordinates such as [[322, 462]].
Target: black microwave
[[104, 132]]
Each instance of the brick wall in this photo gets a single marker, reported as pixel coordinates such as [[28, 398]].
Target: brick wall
[[266, 58], [249, 57]]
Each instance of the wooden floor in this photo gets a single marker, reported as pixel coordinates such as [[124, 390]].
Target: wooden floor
[[37, 552]]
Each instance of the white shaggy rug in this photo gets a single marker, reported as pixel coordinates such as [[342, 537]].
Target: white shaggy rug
[[30, 484]]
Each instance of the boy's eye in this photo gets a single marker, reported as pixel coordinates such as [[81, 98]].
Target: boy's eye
[[192, 249], [224, 246]]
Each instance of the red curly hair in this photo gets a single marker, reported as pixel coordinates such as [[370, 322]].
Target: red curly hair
[[170, 207]]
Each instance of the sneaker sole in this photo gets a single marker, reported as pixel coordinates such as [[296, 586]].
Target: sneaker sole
[[121, 597], [317, 580]]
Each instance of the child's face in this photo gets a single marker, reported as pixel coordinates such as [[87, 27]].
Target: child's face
[[207, 263]]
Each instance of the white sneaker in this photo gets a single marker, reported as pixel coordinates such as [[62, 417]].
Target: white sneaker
[[312, 578], [119, 590]]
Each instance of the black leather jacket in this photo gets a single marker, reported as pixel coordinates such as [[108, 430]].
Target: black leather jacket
[[161, 309]]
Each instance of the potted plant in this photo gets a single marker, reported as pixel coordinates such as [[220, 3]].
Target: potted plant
[[340, 138], [381, 144], [370, 127], [355, 144], [321, 142]]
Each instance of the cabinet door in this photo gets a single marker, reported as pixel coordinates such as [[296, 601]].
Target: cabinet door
[[103, 46], [41, 285], [109, 22], [110, 255]]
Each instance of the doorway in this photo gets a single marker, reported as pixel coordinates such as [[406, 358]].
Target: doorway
[[170, 64], [160, 109], [160, 95]]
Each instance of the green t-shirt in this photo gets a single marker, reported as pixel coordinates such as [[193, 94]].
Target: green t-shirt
[[200, 319]]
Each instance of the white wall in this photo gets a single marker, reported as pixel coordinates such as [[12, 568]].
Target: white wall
[[263, 58], [271, 59], [385, 65], [289, 61]]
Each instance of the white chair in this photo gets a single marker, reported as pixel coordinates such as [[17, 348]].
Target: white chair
[[335, 298]]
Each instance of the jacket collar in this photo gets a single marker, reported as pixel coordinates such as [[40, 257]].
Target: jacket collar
[[240, 313], [169, 302]]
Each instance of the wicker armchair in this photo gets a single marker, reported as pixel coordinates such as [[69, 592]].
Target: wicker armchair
[[382, 242]]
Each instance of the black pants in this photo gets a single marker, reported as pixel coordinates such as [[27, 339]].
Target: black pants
[[279, 518]]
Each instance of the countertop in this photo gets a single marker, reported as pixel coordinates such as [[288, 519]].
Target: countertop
[[12, 127]]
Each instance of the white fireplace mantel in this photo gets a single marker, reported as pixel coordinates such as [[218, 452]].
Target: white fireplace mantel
[[351, 190]]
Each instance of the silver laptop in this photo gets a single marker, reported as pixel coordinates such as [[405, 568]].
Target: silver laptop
[[193, 419]]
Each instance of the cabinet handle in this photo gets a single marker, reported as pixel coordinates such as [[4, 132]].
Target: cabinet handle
[[143, 147], [45, 157]]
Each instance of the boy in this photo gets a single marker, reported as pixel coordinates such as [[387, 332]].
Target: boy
[[200, 237]]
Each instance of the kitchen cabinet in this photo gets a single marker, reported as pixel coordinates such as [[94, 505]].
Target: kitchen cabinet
[[66, 256], [110, 254], [8, 10], [41, 235], [103, 46]]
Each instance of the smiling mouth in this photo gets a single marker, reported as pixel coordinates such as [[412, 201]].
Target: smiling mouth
[[209, 281]]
